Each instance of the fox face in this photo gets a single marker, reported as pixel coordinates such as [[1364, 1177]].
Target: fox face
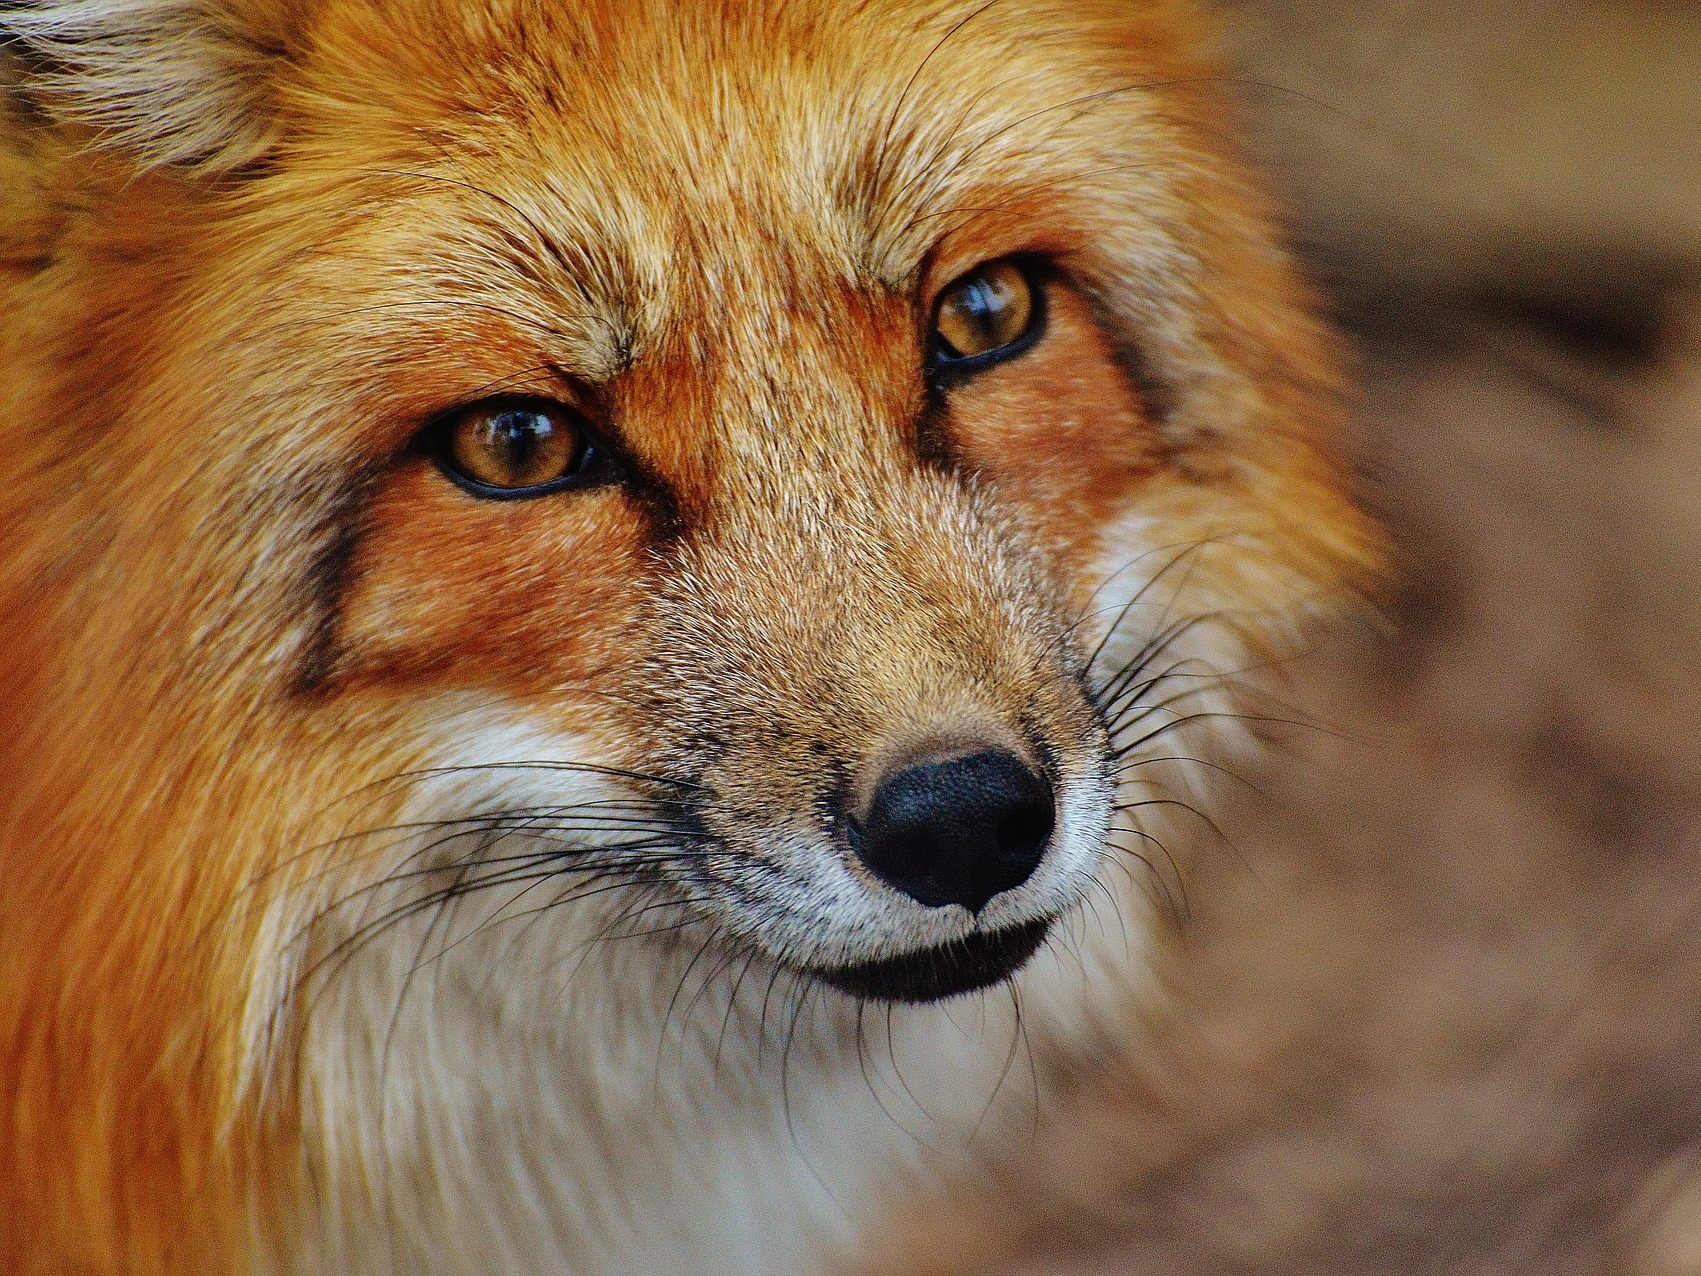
[[534, 515]]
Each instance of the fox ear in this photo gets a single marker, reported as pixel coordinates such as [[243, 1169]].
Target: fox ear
[[172, 81]]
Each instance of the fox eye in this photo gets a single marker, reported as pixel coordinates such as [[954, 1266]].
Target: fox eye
[[988, 314], [513, 447]]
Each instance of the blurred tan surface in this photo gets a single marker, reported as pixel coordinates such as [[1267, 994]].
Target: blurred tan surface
[[1467, 144]]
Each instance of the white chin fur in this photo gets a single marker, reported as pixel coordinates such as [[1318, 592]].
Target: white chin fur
[[512, 1087]]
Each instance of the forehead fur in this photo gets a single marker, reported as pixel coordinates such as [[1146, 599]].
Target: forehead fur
[[842, 122], [604, 168]]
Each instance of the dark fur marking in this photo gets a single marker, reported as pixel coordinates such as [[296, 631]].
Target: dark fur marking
[[1050, 760], [663, 511], [1155, 395], [326, 586], [659, 500], [931, 437]]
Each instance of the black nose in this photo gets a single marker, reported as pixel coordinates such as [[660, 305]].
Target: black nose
[[959, 830]]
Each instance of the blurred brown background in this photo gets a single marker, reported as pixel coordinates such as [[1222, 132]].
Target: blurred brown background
[[1441, 1010]]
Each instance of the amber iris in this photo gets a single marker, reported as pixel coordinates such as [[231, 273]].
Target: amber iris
[[986, 310], [515, 447]]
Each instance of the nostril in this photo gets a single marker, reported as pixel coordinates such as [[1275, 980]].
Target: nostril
[[957, 830]]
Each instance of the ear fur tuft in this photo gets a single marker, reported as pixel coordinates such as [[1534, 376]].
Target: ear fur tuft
[[172, 81]]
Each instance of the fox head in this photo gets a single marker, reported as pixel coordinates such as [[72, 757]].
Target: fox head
[[518, 503]]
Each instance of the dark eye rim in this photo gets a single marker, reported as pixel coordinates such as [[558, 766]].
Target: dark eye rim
[[946, 368], [595, 467]]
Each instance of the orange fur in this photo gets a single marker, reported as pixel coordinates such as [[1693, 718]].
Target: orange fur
[[228, 586]]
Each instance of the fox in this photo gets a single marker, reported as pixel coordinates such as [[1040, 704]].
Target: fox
[[615, 614]]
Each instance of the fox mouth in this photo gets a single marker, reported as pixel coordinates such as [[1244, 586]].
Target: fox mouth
[[948, 970]]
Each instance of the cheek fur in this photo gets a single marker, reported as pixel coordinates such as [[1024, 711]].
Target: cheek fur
[[1061, 428], [524, 597]]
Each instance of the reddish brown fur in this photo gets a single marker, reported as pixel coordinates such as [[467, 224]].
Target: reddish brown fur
[[225, 577]]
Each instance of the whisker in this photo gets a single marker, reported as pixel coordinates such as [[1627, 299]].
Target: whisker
[[557, 851], [1189, 760], [1184, 550], [530, 764], [1154, 885]]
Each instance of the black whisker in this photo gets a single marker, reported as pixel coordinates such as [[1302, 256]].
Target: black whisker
[[1184, 550]]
